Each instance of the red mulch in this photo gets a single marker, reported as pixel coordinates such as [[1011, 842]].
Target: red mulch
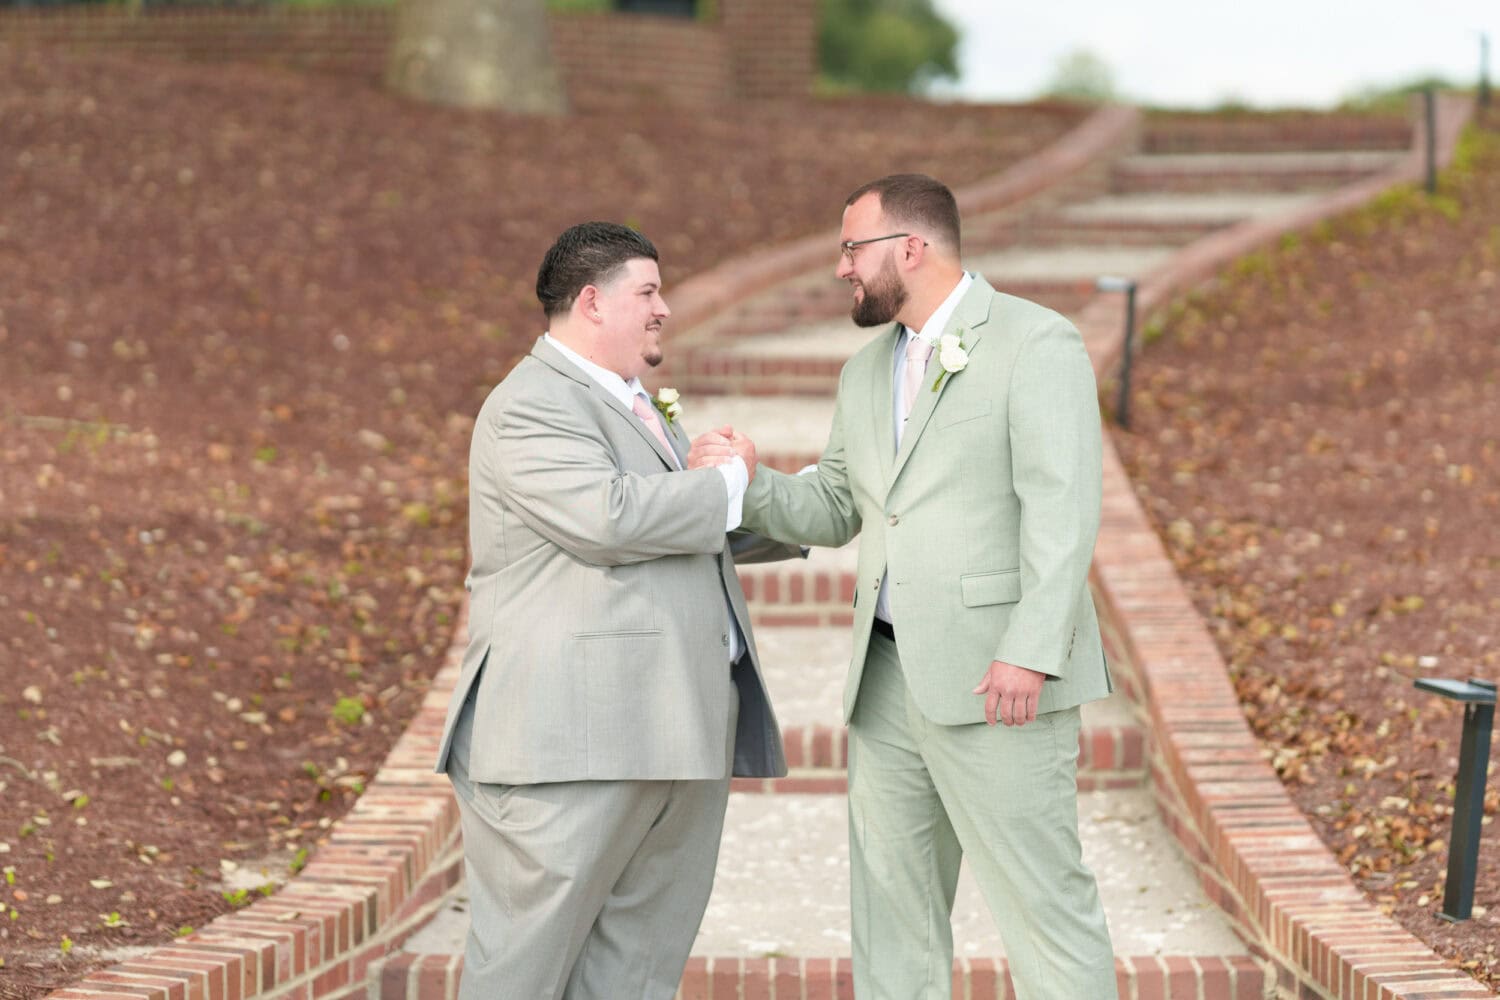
[[1317, 439], [246, 319]]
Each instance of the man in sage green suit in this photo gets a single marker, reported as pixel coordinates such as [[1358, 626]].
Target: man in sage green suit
[[966, 453]]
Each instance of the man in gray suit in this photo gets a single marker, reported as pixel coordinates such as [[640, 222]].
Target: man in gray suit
[[611, 684], [965, 453]]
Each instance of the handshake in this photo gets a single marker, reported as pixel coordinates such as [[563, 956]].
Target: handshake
[[718, 446]]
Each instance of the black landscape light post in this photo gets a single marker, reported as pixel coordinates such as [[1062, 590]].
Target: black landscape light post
[[667, 8], [1429, 106], [1127, 285], [1484, 70], [1478, 698]]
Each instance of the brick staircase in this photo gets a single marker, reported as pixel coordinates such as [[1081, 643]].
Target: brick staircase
[[777, 924], [1215, 886]]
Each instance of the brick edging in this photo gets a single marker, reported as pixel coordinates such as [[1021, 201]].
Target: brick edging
[[711, 292], [1256, 854], [1140, 977], [389, 861], [1104, 747], [385, 869]]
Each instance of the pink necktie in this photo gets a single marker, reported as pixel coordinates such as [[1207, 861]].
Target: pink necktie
[[652, 420], [917, 353]]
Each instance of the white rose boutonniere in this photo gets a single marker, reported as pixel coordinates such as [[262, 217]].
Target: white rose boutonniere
[[951, 357], [666, 403]]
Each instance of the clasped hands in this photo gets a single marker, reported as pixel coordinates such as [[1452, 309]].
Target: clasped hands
[[721, 445]]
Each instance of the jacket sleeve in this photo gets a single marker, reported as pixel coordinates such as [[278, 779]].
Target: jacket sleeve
[[554, 467], [1056, 455], [812, 509], [748, 547]]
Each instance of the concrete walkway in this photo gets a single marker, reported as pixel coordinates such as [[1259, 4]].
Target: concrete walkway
[[782, 883]]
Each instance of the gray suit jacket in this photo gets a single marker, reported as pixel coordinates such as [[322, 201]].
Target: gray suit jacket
[[985, 518], [597, 597]]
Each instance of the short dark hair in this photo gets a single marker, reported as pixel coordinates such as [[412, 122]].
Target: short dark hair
[[590, 253], [916, 200]]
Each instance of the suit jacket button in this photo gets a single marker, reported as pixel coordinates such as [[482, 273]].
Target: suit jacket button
[[724, 639], [893, 520]]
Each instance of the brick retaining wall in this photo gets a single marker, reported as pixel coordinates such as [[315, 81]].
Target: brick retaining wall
[[758, 49]]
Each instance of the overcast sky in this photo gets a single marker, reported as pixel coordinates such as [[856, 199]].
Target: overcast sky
[[1194, 53]]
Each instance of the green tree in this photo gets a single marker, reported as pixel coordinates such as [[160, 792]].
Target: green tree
[[1082, 76], [897, 46]]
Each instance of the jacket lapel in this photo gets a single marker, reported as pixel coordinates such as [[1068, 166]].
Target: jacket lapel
[[882, 403], [679, 439], [972, 314], [553, 358]]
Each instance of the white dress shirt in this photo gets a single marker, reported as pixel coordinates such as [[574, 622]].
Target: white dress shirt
[[930, 332], [736, 476]]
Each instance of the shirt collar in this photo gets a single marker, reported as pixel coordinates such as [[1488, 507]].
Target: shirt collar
[[938, 321], [609, 381]]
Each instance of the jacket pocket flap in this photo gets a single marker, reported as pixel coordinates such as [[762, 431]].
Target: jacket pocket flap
[[991, 588], [975, 409]]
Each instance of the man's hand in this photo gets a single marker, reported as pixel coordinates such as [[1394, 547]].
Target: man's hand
[[745, 448], [711, 448], [1013, 691]]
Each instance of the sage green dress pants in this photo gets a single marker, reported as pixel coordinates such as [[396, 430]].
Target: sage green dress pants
[[922, 797]]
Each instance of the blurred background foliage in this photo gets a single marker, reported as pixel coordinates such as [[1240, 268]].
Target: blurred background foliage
[[884, 46]]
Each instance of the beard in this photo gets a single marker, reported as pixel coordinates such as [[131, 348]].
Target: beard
[[652, 354], [883, 298]]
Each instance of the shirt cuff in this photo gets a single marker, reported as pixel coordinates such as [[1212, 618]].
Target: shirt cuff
[[736, 480]]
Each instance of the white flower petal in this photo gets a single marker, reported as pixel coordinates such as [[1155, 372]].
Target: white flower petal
[[953, 359]]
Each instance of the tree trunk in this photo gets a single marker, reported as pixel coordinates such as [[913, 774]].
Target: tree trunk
[[476, 54]]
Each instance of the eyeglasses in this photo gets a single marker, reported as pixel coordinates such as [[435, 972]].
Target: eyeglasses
[[848, 247]]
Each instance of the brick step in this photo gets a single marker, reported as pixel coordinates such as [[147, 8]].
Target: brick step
[[816, 591], [410, 976], [781, 892], [758, 318], [795, 304], [1175, 213], [1109, 756], [1194, 132], [730, 371], [1064, 230], [751, 364], [1067, 296], [1198, 172], [1144, 182]]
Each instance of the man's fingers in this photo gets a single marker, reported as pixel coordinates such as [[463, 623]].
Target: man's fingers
[[990, 704]]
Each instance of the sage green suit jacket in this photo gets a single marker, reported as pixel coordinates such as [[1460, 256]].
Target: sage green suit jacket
[[985, 518]]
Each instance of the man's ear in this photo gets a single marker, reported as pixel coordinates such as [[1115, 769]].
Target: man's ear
[[587, 303], [913, 252]]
